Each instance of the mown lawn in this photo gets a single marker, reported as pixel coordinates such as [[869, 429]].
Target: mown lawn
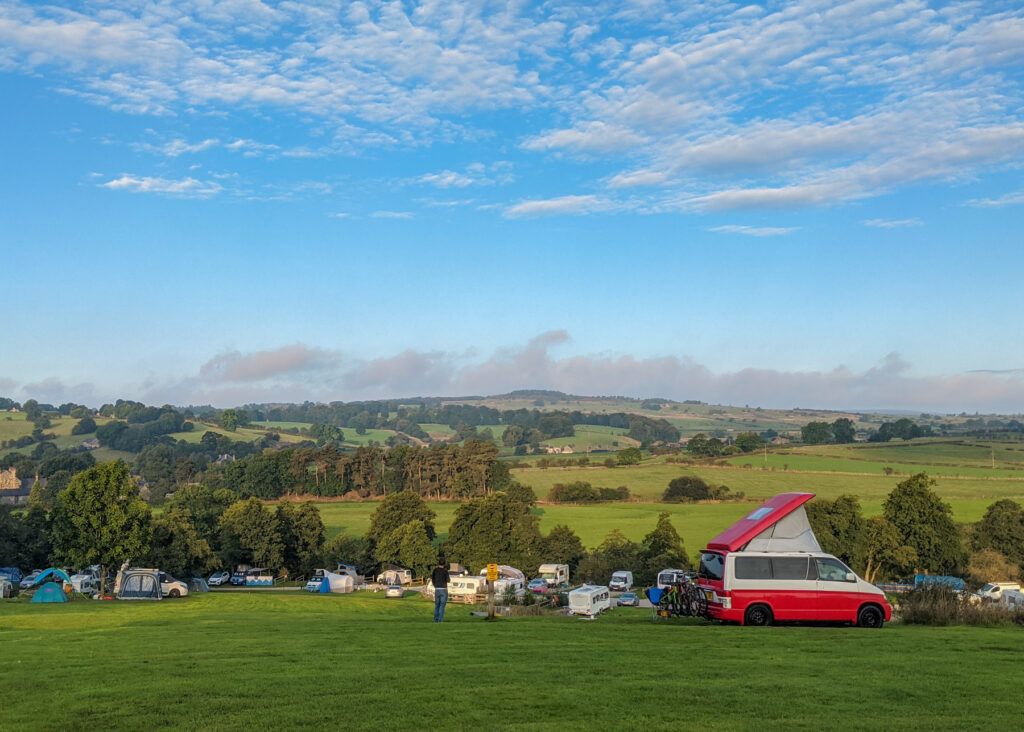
[[279, 660]]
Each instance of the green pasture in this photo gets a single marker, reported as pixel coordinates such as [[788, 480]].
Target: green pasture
[[14, 425], [649, 480], [277, 425], [589, 438], [1000, 454], [440, 431], [833, 464], [286, 659]]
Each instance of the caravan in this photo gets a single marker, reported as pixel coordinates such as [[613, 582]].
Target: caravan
[[589, 600], [768, 566]]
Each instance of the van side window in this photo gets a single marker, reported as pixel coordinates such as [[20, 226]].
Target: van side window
[[831, 570], [789, 568], [754, 568]]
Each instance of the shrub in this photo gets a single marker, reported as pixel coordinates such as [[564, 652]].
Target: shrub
[[686, 489], [939, 605]]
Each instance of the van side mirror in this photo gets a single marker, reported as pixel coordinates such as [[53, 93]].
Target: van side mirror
[[851, 577]]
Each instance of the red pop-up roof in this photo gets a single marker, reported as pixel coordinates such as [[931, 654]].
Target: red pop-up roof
[[772, 511]]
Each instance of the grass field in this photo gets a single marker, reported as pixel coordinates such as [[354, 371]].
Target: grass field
[[251, 660]]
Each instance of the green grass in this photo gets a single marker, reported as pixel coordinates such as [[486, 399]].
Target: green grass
[[250, 660], [588, 438]]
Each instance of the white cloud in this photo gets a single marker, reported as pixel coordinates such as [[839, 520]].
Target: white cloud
[[892, 224], [1008, 199], [753, 230], [553, 206], [186, 187], [392, 214]]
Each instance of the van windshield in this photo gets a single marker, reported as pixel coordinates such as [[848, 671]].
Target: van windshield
[[712, 566]]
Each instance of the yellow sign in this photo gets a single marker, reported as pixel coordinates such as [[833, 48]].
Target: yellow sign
[[492, 572]]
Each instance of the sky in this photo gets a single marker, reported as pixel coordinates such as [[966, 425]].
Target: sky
[[780, 204]]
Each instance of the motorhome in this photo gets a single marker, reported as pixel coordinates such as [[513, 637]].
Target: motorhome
[[769, 566], [621, 581], [669, 577], [589, 600], [556, 575]]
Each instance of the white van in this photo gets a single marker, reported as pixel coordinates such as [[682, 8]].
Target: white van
[[992, 591], [589, 600], [669, 577], [622, 581]]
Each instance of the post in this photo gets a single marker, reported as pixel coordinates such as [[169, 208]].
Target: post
[[492, 574]]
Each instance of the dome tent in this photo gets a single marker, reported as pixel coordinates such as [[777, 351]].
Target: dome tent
[[50, 592]]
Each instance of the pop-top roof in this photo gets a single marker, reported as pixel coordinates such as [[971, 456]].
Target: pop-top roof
[[737, 536]]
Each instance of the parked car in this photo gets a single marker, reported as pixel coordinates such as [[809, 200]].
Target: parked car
[[394, 591], [539, 585], [219, 578], [171, 587], [30, 579], [629, 599]]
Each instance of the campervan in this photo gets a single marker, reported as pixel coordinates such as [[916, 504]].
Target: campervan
[[669, 577], [621, 581], [768, 566], [556, 575], [590, 600]]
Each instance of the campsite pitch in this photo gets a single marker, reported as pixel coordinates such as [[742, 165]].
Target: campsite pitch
[[281, 660]]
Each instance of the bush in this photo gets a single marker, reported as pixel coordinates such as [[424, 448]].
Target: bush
[[576, 492], [939, 605], [686, 489]]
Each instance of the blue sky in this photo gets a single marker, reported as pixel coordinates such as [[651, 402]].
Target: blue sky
[[811, 204]]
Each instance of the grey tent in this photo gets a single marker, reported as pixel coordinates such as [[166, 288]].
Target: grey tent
[[139, 584], [198, 584]]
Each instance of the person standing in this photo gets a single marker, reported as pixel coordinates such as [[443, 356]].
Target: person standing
[[440, 580]]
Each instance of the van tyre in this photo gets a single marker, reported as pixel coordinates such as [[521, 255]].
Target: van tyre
[[757, 615], [174, 593], [870, 616]]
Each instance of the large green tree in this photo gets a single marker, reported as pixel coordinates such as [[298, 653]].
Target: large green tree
[[816, 433], [397, 510], [661, 549], [614, 553], [302, 533], [563, 546], [177, 548], [1001, 529], [494, 529], [925, 523], [408, 546], [248, 533], [839, 526], [100, 519], [204, 507]]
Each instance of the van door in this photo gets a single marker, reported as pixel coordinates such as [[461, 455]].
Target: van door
[[795, 596], [837, 596]]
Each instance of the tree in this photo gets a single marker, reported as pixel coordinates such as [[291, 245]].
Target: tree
[[816, 433], [698, 445], [523, 494], [513, 435], [302, 533], [629, 456], [749, 441], [84, 426], [494, 529], [347, 549], [686, 489], [839, 526], [395, 511], [925, 523], [204, 507], [248, 533], [576, 492], [1002, 529], [843, 431], [884, 550], [229, 420], [177, 548], [661, 548], [100, 519], [563, 546], [408, 546], [988, 565], [614, 553]]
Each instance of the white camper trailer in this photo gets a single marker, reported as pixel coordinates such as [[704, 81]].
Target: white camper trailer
[[589, 600], [466, 589]]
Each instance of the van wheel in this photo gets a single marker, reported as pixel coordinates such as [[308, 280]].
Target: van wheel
[[870, 617], [174, 593], [757, 615]]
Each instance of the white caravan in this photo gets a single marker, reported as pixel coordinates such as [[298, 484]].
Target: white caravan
[[466, 588], [589, 600]]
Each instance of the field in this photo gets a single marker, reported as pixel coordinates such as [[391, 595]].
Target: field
[[250, 660]]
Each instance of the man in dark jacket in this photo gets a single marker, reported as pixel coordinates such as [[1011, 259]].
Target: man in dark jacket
[[440, 579]]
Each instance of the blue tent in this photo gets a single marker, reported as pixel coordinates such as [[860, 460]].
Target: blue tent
[[50, 592]]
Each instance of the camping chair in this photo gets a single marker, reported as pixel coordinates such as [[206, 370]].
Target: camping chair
[[654, 594]]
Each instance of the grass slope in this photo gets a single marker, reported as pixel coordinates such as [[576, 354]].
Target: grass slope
[[287, 659]]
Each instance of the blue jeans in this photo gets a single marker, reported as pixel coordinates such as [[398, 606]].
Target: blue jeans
[[440, 600]]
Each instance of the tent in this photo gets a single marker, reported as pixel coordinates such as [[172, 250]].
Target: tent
[[198, 584], [337, 583], [778, 525], [139, 584], [50, 592]]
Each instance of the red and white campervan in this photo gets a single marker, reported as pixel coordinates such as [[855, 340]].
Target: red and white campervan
[[769, 566]]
